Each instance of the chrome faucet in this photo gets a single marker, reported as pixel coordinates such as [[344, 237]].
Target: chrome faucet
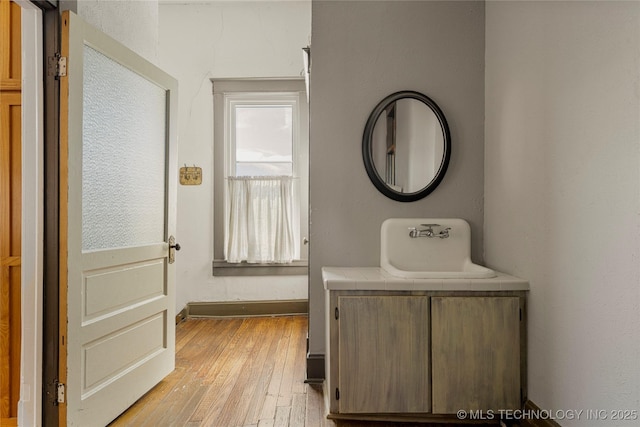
[[414, 232]]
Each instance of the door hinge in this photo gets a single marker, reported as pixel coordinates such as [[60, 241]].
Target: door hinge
[[337, 313], [62, 66], [60, 389], [57, 66]]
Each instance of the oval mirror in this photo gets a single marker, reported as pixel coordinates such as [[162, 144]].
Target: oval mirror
[[406, 146]]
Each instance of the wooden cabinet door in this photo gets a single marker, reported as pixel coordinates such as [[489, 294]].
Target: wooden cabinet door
[[383, 354], [475, 353]]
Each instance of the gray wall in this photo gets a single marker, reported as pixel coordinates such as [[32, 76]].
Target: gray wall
[[361, 52], [562, 190]]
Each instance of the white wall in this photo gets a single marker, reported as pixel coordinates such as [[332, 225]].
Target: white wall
[[132, 23], [223, 40], [562, 192], [361, 52]]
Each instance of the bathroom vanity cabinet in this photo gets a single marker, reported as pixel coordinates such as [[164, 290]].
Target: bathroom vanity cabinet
[[423, 353]]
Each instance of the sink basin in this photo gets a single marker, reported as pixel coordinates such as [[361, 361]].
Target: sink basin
[[429, 257]]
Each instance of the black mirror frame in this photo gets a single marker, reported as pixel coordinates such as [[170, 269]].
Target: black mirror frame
[[367, 143]]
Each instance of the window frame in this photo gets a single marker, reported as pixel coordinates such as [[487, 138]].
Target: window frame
[[225, 90]]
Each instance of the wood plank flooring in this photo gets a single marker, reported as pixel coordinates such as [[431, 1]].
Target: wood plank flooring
[[234, 372]]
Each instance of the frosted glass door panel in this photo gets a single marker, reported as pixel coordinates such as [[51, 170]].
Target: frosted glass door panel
[[123, 156]]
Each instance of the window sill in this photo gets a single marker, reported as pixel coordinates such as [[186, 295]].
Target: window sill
[[296, 268]]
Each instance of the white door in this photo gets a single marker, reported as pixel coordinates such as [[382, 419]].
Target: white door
[[117, 215]]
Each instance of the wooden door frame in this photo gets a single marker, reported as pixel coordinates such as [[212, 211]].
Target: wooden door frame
[[51, 283], [51, 322], [11, 219]]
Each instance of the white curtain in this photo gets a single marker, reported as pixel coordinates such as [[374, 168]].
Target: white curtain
[[260, 224]]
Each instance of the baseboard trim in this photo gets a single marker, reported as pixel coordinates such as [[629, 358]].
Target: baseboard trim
[[315, 369], [247, 308], [532, 409]]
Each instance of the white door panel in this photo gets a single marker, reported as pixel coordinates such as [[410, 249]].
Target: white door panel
[[118, 189]]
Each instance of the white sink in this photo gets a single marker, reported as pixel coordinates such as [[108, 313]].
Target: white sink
[[429, 257]]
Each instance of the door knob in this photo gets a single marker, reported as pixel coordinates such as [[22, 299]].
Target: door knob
[[173, 247]]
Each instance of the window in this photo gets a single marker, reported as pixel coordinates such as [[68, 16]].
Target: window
[[261, 173], [262, 136]]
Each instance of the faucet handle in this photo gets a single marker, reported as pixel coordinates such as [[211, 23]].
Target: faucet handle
[[430, 225], [444, 233]]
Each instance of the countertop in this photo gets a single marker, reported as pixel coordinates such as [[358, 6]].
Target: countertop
[[375, 278]]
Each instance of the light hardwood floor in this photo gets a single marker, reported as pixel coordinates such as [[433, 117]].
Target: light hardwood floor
[[234, 372]]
